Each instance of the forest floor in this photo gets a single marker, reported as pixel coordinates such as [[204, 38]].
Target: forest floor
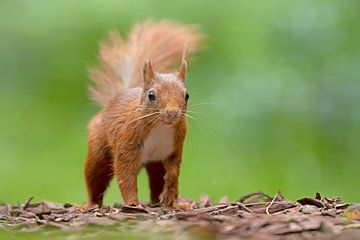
[[254, 216]]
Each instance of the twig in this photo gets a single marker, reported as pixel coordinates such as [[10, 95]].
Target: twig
[[247, 196], [271, 203], [241, 205], [27, 203]]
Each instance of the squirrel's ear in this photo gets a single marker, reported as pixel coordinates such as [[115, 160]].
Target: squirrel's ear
[[149, 74], [182, 71]]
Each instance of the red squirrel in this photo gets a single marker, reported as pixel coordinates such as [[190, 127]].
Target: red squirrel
[[142, 122]]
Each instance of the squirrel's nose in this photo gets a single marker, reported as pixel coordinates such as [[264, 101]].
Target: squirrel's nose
[[172, 114]]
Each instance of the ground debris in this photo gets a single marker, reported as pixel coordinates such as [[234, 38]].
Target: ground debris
[[256, 215]]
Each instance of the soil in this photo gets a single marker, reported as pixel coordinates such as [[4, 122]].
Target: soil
[[254, 216]]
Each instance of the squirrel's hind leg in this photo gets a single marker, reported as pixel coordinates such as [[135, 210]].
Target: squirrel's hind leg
[[156, 173], [98, 173]]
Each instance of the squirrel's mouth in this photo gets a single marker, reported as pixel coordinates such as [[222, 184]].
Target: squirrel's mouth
[[169, 121]]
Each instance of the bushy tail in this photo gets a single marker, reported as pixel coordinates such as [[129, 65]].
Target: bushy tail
[[121, 62]]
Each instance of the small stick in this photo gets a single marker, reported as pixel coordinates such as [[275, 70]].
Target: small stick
[[247, 196], [27, 203], [240, 204], [271, 203]]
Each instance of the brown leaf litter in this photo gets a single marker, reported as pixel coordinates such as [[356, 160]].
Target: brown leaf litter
[[256, 215]]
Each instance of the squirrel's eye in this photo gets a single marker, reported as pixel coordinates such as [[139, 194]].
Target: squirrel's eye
[[187, 96], [151, 96]]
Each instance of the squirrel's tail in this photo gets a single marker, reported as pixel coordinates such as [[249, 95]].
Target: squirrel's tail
[[121, 62]]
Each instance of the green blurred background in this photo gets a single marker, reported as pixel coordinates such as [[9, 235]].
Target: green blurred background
[[282, 78]]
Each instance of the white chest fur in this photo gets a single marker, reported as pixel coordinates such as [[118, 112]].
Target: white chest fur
[[159, 144]]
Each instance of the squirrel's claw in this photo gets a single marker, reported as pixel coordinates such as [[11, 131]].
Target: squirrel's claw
[[168, 197]]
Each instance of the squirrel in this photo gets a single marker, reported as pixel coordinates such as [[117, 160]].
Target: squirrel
[[142, 122]]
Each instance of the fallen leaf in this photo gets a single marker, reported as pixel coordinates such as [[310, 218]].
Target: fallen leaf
[[353, 212]]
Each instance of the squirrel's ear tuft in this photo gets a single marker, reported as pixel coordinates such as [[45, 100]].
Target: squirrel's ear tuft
[[149, 74], [182, 71]]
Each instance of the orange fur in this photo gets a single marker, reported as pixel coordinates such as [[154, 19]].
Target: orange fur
[[121, 61], [132, 130]]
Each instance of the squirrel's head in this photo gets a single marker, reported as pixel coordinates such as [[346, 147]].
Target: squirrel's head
[[165, 94]]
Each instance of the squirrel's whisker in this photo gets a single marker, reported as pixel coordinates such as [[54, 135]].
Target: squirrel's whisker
[[203, 103], [193, 125], [139, 110], [189, 116], [142, 117], [152, 121], [196, 112]]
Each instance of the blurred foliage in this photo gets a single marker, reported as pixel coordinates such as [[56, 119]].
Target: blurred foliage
[[281, 79]]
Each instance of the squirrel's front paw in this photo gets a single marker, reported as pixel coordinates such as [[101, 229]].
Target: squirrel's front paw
[[86, 207], [168, 197]]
